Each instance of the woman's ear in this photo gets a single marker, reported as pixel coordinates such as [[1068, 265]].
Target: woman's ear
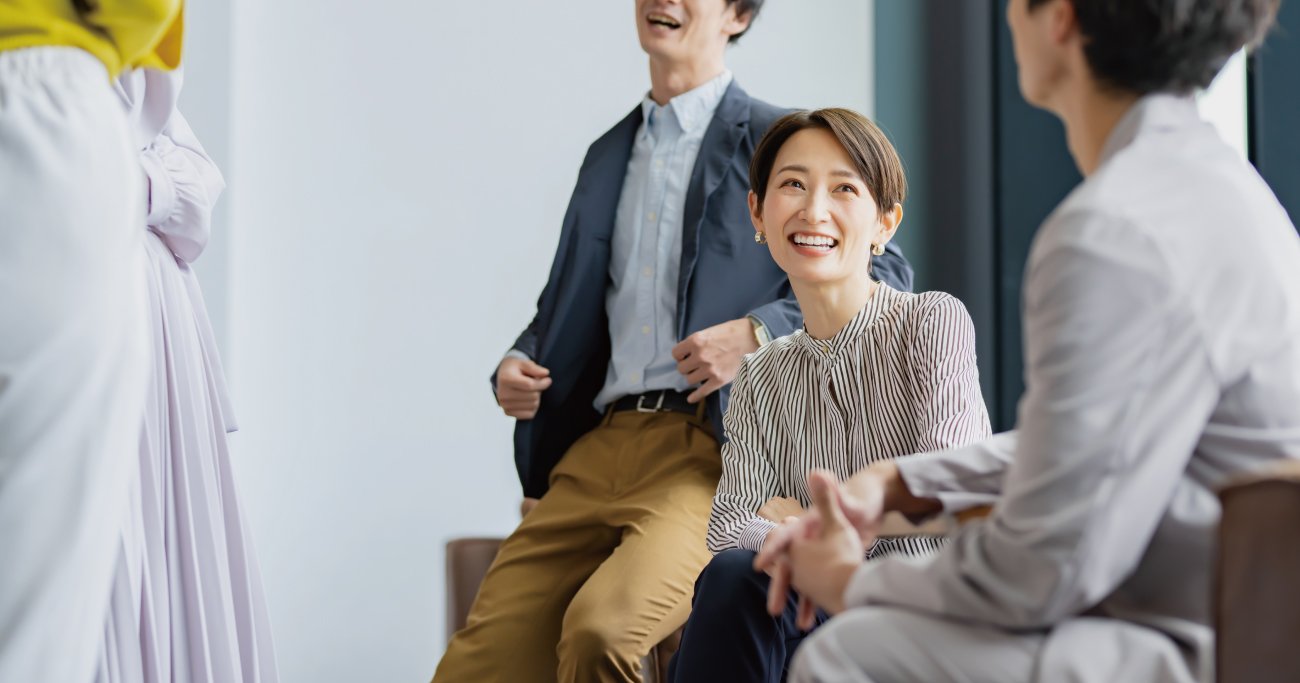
[[889, 222], [755, 212]]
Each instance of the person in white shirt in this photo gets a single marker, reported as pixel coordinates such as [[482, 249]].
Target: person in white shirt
[[1162, 355]]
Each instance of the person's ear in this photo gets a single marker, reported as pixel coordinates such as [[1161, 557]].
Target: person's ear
[[734, 24], [756, 212], [1064, 23], [889, 222]]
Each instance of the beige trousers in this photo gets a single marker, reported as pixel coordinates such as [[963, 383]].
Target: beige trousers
[[604, 567]]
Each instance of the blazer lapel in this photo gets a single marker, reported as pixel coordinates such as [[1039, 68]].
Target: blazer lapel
[[726, 130], [606, 171]]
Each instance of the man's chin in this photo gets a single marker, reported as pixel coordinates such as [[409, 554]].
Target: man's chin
[[660, 48]]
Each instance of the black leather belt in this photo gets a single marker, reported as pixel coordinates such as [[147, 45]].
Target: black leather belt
[[665, 401]]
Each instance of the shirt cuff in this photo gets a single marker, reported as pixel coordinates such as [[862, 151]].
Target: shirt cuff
[[755, 534], [927, 477], [516, 353], [162, 194]]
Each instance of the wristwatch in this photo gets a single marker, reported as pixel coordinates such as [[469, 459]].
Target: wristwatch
[[760, 331]]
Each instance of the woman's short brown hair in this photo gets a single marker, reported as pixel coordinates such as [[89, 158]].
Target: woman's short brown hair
[[874, 157]]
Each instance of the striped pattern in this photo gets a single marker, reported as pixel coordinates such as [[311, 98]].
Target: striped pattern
[[900, 378]]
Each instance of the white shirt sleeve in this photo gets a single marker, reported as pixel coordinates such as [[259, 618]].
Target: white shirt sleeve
[[1118, 390]]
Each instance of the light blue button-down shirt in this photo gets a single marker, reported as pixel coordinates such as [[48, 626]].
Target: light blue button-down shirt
[[646, 254]]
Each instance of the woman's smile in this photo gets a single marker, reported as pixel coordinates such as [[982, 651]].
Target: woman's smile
[[812, 244]]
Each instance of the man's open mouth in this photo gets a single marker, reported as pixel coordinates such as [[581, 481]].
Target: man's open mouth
[[663, 20]]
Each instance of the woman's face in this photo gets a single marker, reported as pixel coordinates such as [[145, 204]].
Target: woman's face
[[819, 218]]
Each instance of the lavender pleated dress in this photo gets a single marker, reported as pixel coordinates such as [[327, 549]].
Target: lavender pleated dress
[[187, 601]]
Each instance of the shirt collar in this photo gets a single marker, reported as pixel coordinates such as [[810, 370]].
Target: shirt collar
[[693, 109], [1152, 112], [879, 303]]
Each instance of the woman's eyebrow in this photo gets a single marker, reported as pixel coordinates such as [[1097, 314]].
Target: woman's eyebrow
[[798, 168]]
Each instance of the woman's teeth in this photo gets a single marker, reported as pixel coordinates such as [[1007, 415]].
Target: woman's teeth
[[814, 241]]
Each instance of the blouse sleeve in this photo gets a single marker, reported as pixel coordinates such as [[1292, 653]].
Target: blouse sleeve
[[747, 474], [949, 406], [184, 184]]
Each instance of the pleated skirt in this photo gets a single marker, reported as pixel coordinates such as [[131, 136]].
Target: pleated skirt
[[187, 602]]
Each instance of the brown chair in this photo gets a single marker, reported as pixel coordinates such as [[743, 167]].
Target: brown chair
[[468, 560], [1257, 591]]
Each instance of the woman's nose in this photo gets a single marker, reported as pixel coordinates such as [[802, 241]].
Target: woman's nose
[[814, 210]]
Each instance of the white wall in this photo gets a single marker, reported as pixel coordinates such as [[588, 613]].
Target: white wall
[[398, 171]]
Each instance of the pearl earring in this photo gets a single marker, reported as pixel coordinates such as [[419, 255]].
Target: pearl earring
[[760, 238]]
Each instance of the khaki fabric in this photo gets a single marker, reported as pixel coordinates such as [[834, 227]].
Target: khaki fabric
[[604, 567]]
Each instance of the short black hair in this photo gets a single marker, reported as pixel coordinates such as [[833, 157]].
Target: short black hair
[[1176, 46], [743, 7]]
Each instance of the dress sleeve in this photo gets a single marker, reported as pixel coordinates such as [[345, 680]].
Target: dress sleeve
[[184, 185], [748, 477]]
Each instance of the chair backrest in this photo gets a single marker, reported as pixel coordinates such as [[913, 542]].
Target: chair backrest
[[468, 560], [1257, 591]]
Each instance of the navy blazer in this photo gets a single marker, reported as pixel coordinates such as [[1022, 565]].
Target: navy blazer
[[724, 276]]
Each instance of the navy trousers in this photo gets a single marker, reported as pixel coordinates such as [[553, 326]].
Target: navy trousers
[[730, 636]]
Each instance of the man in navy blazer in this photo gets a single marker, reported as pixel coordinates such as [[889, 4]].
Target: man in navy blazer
[[619, 382]]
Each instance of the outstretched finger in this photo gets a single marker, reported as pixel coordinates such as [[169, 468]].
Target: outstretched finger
[[807, 614], [826, 500], [778, 591]]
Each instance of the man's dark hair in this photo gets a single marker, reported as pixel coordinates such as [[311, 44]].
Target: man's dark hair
[[1176, 46], [743, 7]]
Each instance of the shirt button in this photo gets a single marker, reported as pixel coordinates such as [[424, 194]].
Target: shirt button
[[645, 329], [647, 271], [636, 377], [650, 216], [659, 163]]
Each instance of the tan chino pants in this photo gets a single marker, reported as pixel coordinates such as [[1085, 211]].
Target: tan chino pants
[[604, 567]]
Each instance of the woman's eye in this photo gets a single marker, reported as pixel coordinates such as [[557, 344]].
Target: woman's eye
[[847, 188], [793, 183]]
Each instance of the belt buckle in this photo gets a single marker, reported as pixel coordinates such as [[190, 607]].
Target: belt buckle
[[658, 407]]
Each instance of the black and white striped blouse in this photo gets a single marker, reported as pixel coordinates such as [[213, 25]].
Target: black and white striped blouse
[[900, 378]]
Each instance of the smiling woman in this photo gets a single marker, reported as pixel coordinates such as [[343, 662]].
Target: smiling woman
[[876, 373], [830, 187]]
